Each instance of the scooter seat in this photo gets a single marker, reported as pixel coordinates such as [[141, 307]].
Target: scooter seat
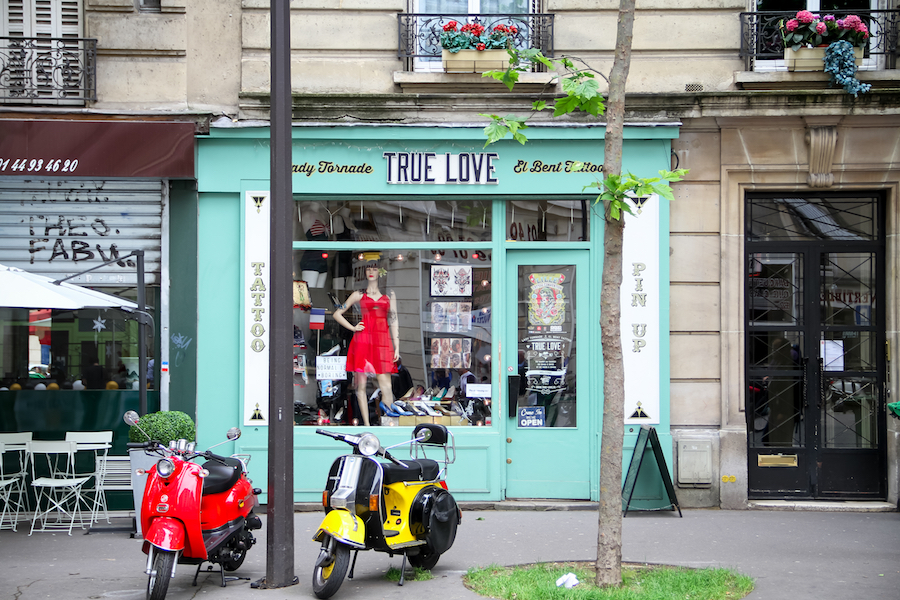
[[221, 477], [423, 469]]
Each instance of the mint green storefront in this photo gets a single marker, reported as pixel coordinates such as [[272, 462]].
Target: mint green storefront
[[493, 259]]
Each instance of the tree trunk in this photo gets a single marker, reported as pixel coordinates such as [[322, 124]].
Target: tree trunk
[[609, 534]]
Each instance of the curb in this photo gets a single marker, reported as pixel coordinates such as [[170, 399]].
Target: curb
[[530, 505]]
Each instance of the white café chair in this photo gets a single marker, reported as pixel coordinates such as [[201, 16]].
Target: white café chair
[[99, 442], [116, 477], [57, 497], [12, 491], [15, 444]]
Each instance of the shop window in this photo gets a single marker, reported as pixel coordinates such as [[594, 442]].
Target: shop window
[[69, 350], [430, 301], [409, 220], [542, 220]]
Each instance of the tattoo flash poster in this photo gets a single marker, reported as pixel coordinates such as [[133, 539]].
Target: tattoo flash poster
[[451, 316], [451, 280], [451, 353]]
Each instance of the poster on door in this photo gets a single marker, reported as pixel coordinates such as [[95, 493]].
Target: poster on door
[[547, 344]]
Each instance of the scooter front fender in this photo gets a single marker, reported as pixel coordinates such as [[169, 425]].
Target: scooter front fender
[[344, 527], [165, 533]]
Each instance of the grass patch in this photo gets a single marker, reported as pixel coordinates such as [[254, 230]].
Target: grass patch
[[417, 574], [538, 582]]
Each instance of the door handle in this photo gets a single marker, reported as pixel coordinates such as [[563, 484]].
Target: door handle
[[512, 394]]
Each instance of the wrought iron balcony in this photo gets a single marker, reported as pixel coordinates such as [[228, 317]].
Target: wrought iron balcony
[[48, 70], [761, 35], [419, 35]]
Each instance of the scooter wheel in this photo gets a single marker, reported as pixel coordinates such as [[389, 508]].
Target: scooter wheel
[[425, 559], [158, 583], [329, 575], [235, 561]]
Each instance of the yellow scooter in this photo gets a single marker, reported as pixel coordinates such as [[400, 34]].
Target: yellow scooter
[[399, 507]]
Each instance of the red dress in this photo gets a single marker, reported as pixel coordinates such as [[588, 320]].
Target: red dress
[[371, 350]]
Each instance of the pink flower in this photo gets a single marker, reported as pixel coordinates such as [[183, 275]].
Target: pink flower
[[821, 28], [852, 22], [828, 18], [792, 25], [804, 16]]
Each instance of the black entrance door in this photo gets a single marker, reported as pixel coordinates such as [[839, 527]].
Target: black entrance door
[[815, 354]]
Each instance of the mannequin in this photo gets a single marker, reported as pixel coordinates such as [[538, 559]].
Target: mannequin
[[375, 347], [344, 230], [314, 268]]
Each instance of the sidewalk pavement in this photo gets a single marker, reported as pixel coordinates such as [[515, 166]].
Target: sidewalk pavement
[[791, 555]]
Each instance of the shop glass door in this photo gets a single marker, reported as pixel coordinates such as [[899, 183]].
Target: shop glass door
[[548, 446], [815, 349]]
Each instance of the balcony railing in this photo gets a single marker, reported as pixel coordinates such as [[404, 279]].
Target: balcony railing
[[761, 36], [48, 70], [419, 35]]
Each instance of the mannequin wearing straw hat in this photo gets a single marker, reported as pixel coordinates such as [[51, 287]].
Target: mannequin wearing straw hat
[[375, 346]]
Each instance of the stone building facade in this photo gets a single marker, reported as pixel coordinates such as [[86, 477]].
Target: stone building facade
[[769, 151]]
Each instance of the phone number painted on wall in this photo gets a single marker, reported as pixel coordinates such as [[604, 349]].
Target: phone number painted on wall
[[38, 165]]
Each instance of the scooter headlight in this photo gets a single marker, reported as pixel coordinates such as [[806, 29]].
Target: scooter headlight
[[165, 468], [368, 444]]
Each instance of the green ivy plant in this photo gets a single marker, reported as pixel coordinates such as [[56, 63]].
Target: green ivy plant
[[840, 64], [582, 92], [164, 426]]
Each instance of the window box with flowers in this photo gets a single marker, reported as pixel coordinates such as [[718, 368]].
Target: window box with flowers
[[807, 37], [472, 48]]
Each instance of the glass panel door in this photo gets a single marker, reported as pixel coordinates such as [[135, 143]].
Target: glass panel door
[[548, 430], [815, 348]]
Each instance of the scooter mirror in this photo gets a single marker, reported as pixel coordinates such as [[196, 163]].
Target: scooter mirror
[[131, 417], [233, 434]]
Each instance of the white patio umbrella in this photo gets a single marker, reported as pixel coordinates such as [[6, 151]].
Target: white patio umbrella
[[21, 289]]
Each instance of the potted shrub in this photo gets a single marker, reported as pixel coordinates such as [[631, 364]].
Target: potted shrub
[[473, 48], [807, 35], [163, 426]]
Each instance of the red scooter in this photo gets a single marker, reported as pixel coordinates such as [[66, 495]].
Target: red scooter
[[193, 513]]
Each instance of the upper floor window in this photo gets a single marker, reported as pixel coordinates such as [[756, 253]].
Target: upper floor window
[[420, 30], [762, 45], [150, 5], [43, 56]]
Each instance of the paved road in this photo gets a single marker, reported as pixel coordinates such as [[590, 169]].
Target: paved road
[[792, 556]]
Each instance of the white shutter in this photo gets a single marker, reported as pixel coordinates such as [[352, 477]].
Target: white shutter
[[57, 18], [16, 23], [70, 19]]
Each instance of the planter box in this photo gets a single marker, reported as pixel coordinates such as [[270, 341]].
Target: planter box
[[139, 460], [474, 61], [812, 59]]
